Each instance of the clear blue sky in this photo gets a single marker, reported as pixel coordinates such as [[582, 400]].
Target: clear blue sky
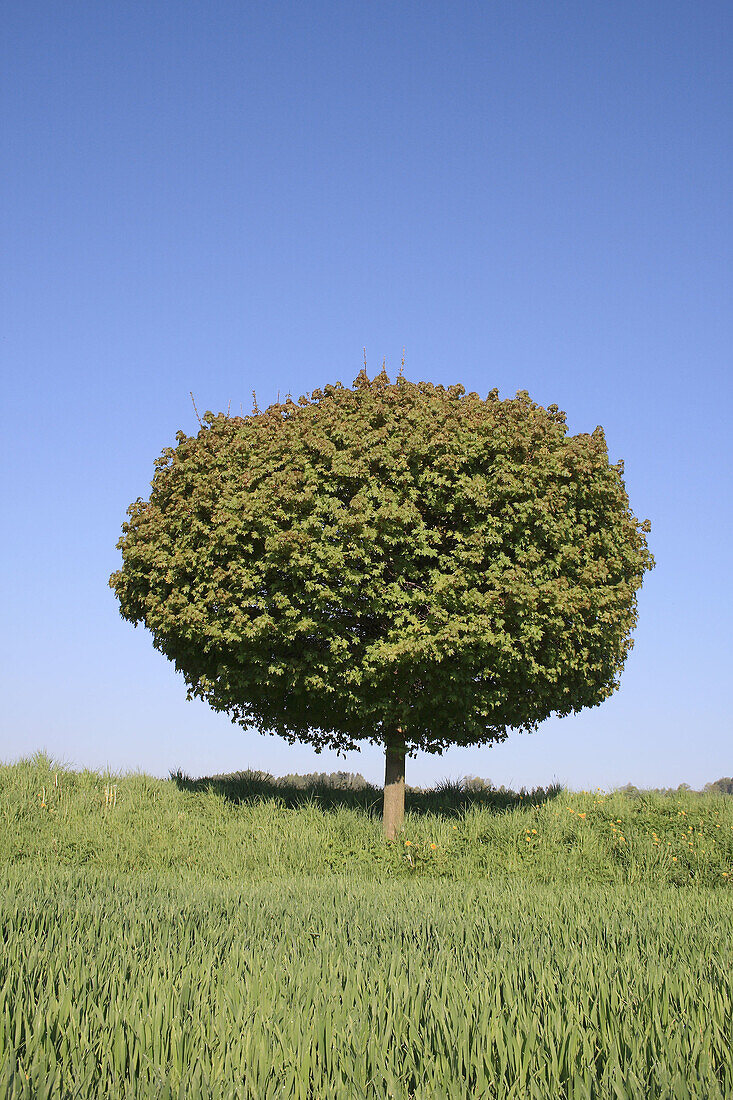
[[229, 196]]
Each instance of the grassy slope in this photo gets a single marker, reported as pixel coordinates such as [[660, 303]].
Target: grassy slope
[[51, 816], [166, 938]]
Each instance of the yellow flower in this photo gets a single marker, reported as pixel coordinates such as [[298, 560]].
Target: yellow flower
[[674, 859], [433, 846], [408, 844], [581, 815], [725, 874], [534, 830]]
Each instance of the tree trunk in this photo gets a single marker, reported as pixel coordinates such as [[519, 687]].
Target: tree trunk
[[394, 784]]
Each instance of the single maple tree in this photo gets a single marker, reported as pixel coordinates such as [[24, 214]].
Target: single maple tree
[[400, 563]]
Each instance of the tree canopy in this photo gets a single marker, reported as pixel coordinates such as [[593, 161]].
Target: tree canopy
[[391, 556]]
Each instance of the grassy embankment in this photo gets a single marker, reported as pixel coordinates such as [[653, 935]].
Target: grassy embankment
[[164, 940], [246, 827]]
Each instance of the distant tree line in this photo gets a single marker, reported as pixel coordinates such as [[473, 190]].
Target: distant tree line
[[723, 785], [471, 784]]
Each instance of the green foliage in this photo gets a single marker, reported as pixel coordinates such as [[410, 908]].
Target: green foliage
[[396, 555], [724, 785]]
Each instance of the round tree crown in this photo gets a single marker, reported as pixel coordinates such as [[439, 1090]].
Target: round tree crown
[[396, 555]]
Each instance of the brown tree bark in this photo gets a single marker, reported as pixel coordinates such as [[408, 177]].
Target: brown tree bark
[[394, 784]]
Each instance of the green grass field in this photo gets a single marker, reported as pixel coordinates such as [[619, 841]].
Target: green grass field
[[234, 938]]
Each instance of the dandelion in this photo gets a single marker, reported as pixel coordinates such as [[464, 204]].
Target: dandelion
[[433, 846], [534, 831], [581, 815], [408, 844], [674, 859]]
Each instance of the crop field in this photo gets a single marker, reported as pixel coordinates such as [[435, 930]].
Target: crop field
[[176, 939]]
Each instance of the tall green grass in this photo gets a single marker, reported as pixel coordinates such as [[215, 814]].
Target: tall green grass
[[243, 827], [143, 986], [236, 938]]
